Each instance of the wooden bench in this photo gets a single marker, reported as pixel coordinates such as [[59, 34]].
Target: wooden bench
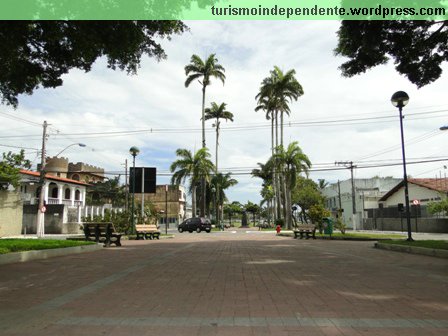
[[102, 232], [147, 231], [307, 229]]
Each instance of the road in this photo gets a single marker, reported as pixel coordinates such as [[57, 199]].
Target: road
[[233, 283]]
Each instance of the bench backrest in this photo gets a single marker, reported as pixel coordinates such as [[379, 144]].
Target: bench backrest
[[146, 227], [306, 227], [93, 229]]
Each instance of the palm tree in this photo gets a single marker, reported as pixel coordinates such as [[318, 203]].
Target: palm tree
[[323, 184], [218, 112], [282, 88], [203, 72], [222, 183], [197, 167], [276, 92], [293, 162]]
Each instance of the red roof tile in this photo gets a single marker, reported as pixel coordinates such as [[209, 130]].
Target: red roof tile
[[51, 177]]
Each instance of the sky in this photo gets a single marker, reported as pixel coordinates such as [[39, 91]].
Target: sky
[[337, 118]]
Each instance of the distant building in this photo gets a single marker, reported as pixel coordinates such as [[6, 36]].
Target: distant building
[[421, 190], [171, 197], [57, 190], [368, 193], [61, 167]]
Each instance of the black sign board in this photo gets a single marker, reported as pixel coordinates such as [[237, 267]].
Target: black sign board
[[145, 177]]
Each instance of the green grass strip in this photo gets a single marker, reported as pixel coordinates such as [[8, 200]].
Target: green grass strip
[[362, 235], [432, 244], [19, 245]]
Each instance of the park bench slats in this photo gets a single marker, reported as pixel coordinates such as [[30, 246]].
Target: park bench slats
[[305, 229], [103, 232], [147, 231]]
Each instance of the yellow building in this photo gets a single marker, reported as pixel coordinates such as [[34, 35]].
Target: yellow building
[[172, 198]]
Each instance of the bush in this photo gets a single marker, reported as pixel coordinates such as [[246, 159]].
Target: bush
[[339, 225], [280, 221]]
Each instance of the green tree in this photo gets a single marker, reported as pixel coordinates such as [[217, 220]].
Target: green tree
[[316, 213], [109, 191], [253, 208], [10, 169], [322, 184], [417, 48], [306, 194], [222, 182], [232, 209], [39, 53], [203, 73], [291, 163], [197, 167]]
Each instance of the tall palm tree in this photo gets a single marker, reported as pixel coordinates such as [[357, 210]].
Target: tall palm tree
[[218, 112], [197, 167], [278, 90], [283, 88], [293, 162], [203, 71]]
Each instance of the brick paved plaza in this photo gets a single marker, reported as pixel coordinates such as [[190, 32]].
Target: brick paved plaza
[[243, 283]]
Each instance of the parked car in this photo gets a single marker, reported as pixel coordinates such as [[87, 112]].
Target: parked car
[[197, 224]]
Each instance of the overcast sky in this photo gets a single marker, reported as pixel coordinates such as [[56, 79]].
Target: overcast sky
[[106, 101]]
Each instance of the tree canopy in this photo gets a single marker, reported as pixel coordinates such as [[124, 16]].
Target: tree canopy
[[10, 169], [38, 53], [418, 48]]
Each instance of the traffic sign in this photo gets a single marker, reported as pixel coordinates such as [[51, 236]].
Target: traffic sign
[[416, 202], [43, 209]]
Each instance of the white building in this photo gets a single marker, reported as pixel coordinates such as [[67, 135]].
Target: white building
[[57, 190], [368, 192]]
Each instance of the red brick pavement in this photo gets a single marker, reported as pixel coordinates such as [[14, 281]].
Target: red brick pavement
[[227, 284]]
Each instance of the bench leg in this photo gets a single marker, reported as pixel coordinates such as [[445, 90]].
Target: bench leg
[[301, 235]]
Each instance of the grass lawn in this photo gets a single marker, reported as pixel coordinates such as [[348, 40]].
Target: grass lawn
[[349, 235], [433, 244], [19, 245]]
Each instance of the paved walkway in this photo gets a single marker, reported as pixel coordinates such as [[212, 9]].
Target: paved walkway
[[227, 284]]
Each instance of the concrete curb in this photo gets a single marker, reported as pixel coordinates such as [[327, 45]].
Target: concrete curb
[[414, 250], [24, 256]]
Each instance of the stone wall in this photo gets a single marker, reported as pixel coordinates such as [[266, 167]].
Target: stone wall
[[431, 225], [10, 213]]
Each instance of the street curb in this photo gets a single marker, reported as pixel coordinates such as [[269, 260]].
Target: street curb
[[414, 250], [16, 257]]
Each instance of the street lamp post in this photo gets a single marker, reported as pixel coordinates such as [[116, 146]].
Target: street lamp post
[[134, 151], [400, 99], [73, 144]]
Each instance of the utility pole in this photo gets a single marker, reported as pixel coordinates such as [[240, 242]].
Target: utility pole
[[126, 182], [349, 164], [339, 195], [40, 221]]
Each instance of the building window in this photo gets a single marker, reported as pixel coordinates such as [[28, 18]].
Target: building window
[[67, 194], [77, 195], [75, 177], [54, 190]]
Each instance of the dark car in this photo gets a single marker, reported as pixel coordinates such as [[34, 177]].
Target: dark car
[[197, 224]]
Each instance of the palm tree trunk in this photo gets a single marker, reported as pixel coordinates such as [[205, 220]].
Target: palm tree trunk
[[203, 146], [277, 189], [193, 201], [216, 172], [273, 204], [281, 128]]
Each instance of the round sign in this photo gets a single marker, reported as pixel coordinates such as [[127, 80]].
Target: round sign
[[416, 202], [43, 209]]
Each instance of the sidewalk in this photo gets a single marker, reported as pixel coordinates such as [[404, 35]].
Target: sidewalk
[[227, 284]]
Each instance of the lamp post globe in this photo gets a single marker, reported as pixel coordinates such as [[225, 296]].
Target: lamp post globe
[[134, 151], [400, 99]]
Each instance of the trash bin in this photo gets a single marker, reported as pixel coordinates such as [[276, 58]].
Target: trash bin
[[328, 225]]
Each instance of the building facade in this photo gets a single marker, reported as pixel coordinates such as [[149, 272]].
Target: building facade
[[80, 171], [368, 193], [170, 201]]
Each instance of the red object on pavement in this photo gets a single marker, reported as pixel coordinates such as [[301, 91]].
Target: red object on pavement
[[278, 229]]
